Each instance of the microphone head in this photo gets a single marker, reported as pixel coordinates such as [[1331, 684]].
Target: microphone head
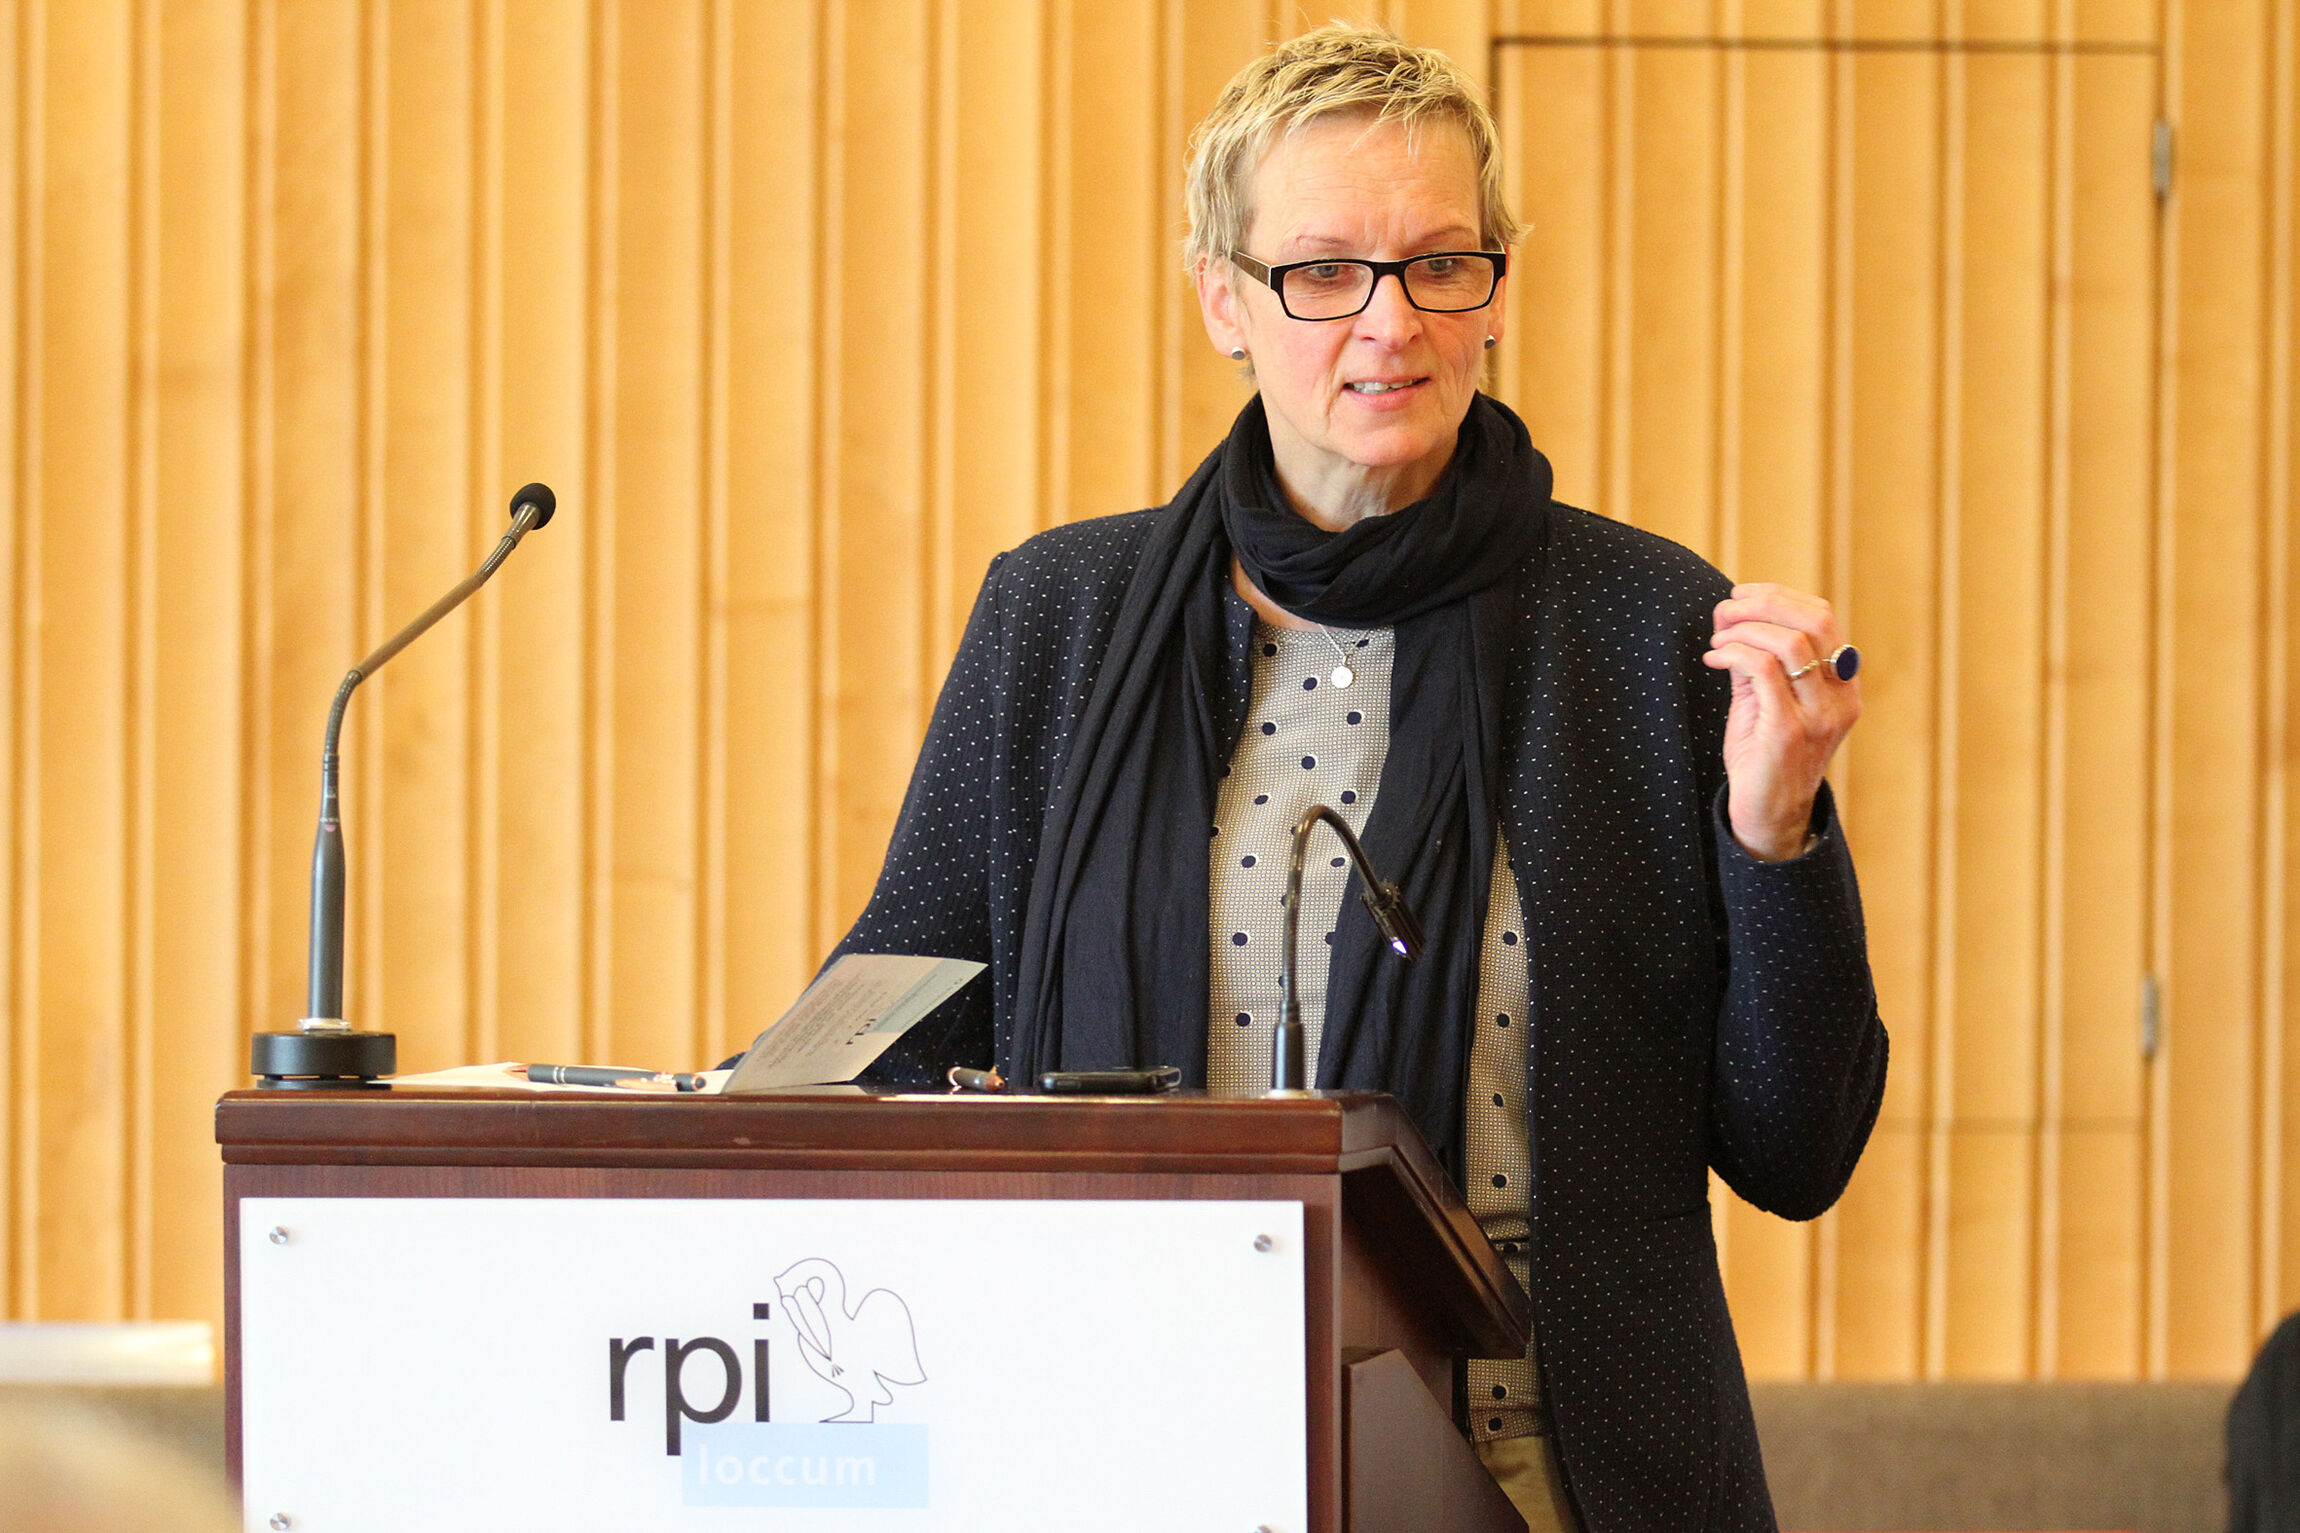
[[1394, 919], [540, 497]]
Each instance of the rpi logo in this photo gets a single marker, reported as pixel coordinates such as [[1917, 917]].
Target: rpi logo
[[862, 1351], [858, 1352]]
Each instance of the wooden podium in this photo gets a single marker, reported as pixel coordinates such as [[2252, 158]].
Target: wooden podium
[[1399, 1281]]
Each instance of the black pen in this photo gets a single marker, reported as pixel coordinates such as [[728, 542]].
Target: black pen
[[622, 1076]]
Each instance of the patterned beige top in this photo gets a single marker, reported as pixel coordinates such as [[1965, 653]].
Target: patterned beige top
[[1317, 731]]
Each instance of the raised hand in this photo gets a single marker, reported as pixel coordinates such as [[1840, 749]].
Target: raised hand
[[1790, 710]]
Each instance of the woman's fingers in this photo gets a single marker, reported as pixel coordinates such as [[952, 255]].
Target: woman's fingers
[[1793, 647], [1761, 677], [1768, 659], [1782, 606], [1795, 626]]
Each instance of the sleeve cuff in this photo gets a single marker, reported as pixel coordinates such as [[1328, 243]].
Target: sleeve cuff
[[1821, 832], [1817, 885]]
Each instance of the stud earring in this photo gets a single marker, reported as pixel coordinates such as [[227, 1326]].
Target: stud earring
[[1238, 353], [1489, 340]]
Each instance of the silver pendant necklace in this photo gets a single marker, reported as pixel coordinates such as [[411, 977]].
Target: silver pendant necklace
[[1342, 675]]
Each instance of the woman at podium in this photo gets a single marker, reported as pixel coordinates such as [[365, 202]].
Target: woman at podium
[[1594, 765]]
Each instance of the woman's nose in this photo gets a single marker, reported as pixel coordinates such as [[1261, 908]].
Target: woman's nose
[[1389, 315]]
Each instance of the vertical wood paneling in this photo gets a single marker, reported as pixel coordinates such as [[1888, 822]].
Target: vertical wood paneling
[[2280, 1148], [2276, 480], [2096, 866], [425, 532], [1773, 425], [140, 701], [17, 487], [654, 580], [1552, 357], [24, 866], [362, 748], [530, 999], [304, 526], [77, 666], [1999, 125], [602, 337], [716, 323], [1662, 422], [992, 389], [878, 335], [1205, 46], [1885, 431], [2113, 21], [1932, 308], [190, 875], [2203, 1113], [766, 565], [1114, 275], [483, 345]]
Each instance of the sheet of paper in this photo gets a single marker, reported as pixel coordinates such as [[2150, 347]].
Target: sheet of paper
[[850, 1015]]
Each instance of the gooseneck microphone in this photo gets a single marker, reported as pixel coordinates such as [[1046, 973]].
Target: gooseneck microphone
[[325, 1050], [1393, 917]]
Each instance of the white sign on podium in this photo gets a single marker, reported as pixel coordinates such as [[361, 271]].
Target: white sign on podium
[[616, 1364]]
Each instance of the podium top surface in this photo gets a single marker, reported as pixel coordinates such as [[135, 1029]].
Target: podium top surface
[[1390, 1181], [824, 1128]]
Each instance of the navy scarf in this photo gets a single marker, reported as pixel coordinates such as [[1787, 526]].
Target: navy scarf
[[1115, 961]]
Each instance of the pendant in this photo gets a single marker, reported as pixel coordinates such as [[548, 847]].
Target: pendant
[[1343, 676]]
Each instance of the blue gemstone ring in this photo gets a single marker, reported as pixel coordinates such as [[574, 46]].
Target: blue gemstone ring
[[1843, 663]]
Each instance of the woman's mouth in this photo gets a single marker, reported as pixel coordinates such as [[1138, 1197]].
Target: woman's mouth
[[1375, 387]]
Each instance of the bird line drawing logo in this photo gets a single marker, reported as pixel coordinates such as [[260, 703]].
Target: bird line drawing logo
[[862, 1352]]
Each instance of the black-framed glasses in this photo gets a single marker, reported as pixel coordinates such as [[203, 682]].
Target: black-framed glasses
[[1442, 282]]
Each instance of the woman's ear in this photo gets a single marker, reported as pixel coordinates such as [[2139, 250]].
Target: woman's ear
[[1220, 306]]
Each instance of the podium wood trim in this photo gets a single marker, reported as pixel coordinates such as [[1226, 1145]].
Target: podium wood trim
[[1393, 1259]]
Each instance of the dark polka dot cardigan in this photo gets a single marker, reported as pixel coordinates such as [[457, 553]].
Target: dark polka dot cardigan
[[1692, 1007]]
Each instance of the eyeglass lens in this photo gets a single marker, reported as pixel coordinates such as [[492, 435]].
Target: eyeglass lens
[[1440, 283]]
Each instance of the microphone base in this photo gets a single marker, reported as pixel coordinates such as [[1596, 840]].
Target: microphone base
[[300, 1061], [1289, 1069]]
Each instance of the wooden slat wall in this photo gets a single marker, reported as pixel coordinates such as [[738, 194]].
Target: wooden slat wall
[[1887, 305], [2099, 529], [807, 310], [2202, 1284]]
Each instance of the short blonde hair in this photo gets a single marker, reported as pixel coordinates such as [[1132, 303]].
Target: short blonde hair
[[1336, 71]]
